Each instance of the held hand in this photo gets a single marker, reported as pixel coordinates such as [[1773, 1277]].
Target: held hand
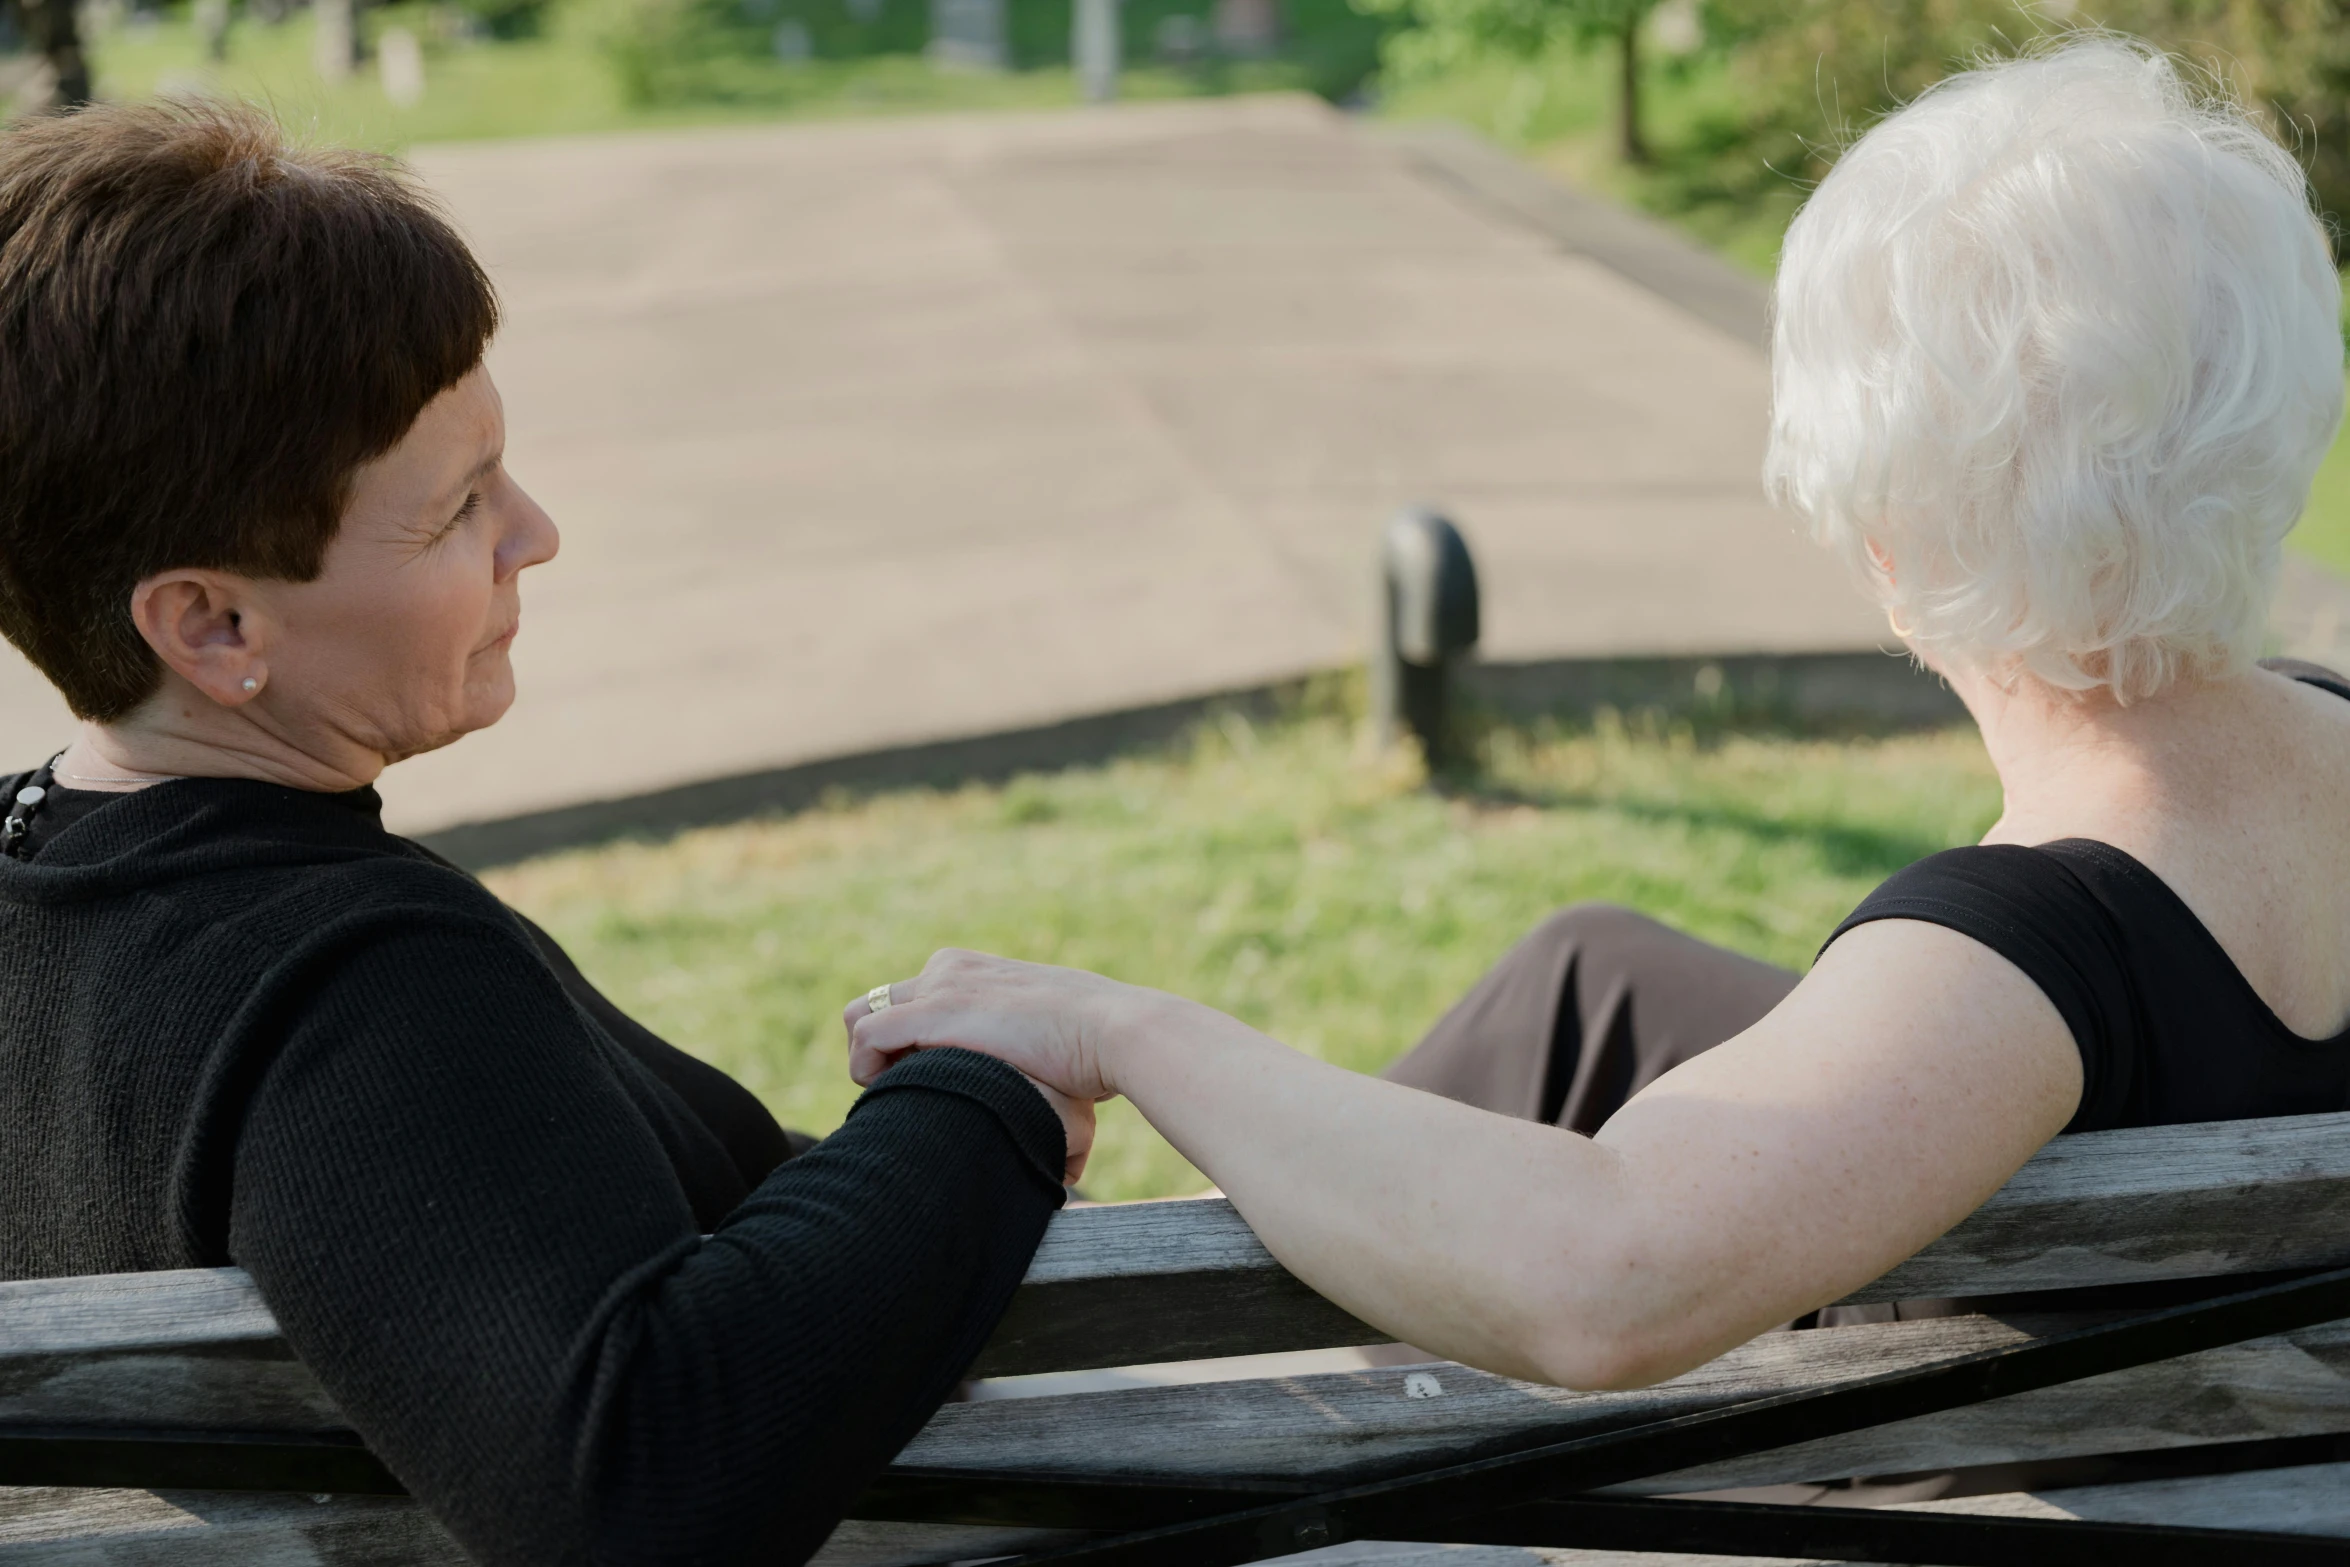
[[1051, 1023], [1076, 1126]]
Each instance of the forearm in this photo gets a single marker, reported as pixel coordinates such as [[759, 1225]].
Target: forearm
[[473, 1236], [1500, 1243], [1733, 1194], [1903, 1080], [591, 1387], [774, 1374]]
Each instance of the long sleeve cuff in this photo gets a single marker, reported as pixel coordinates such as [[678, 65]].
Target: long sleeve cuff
[[999, 1089]]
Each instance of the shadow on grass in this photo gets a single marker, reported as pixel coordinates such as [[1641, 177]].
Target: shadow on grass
[[1843, 848], [1176, 730]]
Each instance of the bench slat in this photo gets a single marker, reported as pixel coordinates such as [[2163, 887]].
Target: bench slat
[[1340, 1426], [2305, 1499], [2309, 1499], [2162, 1202], [1344, 1426], [1148, 1282], [135, 1528], [1124, 1285], [75, 1528], [1157, 1281], [195, 1306]]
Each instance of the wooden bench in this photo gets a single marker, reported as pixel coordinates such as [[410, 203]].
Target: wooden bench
[[150, 1418]]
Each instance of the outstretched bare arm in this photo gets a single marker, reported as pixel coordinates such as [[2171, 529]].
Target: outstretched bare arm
[[1899, 1085]]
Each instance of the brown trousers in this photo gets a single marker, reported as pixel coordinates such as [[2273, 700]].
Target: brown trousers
[[1593, 1006]]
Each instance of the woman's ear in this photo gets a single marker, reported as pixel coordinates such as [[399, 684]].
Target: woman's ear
[[207, 628]]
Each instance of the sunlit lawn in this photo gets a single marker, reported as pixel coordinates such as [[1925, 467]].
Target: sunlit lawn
[[1266, 870], [563, 82], [556, 84]]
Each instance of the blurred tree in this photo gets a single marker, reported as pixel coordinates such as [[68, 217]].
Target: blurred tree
[[2289, 59], [1246, 29], [506, 18], [1447, 33], [1817, 73]]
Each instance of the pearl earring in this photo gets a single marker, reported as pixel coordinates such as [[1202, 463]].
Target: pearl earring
[[251, 685]]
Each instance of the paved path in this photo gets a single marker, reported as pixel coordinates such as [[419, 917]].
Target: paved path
[[869, 434]]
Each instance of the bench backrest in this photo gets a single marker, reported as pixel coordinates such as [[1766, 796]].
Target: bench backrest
[[1152, 1282]]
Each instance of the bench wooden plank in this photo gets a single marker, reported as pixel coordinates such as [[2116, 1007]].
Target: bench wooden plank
[[73, 1528], [2309, 1499], [70, 1528], [1149, 1282], [133, 1311], [1162, 1281], [1355, 1425], [1166, 1281], [138, 1529], [2304, 1499], [2162, 1202], [1350, 1424], [1145, 1282]]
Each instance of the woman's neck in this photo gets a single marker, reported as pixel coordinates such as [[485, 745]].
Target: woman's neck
[[181, 733], [2072, 764]]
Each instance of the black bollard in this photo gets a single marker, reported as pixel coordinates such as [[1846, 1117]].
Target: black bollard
[[1426, 621]]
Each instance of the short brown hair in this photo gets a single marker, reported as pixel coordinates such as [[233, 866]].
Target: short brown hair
[[204, 332]]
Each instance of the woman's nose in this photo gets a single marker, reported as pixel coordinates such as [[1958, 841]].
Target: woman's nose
[[531, 537]]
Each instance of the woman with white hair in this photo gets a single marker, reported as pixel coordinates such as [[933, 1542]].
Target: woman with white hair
[[2057, 352]]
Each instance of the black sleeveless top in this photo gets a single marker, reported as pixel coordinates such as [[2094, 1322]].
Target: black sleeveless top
[[2169, 1029]]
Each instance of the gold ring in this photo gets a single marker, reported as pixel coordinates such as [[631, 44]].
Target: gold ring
[[877, 999]]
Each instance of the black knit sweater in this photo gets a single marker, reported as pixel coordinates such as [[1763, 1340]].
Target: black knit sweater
[[244, 1024]]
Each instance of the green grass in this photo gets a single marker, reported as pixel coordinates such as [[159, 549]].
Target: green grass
[[565, 82], [559, 83], [541, 86], [1264, 869]]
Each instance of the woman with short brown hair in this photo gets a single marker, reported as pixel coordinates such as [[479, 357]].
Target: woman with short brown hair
[[570, 1284]]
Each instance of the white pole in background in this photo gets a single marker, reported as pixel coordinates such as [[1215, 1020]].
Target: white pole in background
[[335, 47], [1094, 46]]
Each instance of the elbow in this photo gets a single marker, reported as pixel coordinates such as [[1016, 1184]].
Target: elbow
[[1623, 1319], [1597, 1358]]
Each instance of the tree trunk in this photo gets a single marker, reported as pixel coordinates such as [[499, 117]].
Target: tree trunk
[[1632, 144], [51, 28]]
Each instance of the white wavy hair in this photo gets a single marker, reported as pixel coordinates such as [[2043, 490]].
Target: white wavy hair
[[2056, 351]]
